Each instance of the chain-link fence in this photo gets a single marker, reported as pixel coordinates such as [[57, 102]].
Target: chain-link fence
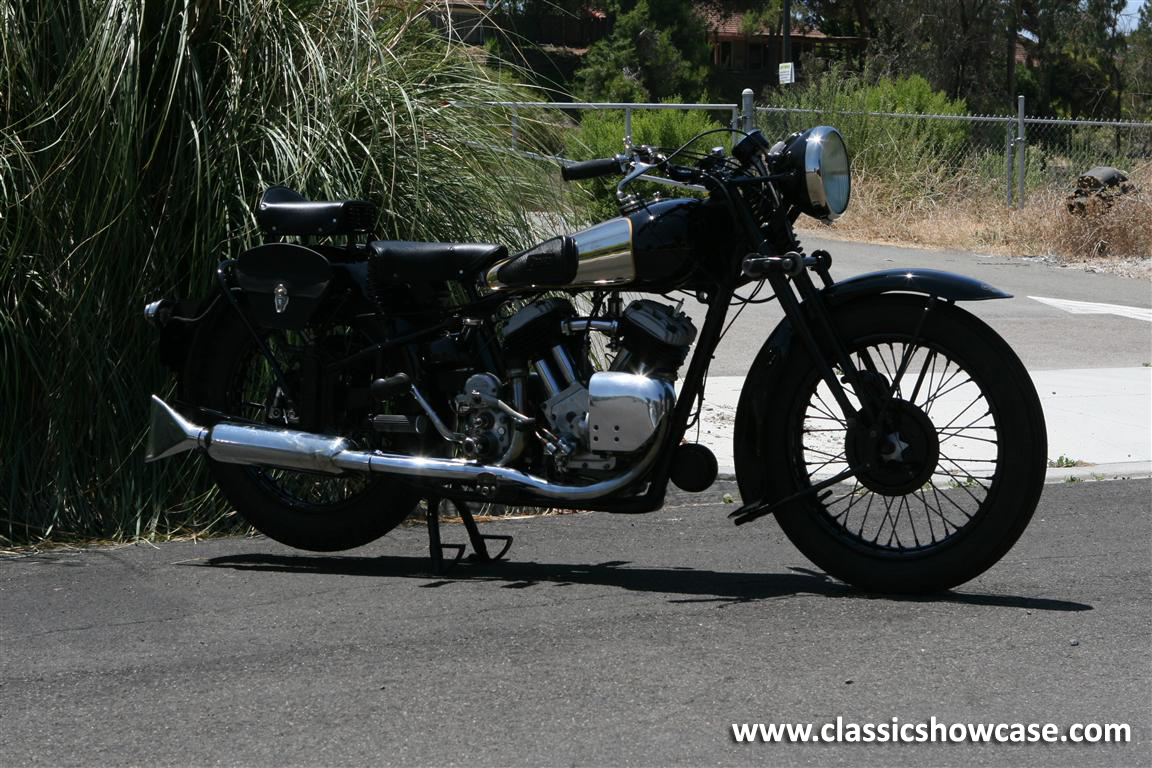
[[929, 156], [996, 155], [1058, 151]]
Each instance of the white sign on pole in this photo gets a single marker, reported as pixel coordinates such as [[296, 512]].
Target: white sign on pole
[[787, 73]]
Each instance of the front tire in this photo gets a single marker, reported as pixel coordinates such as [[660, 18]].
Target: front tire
[[955, 473]]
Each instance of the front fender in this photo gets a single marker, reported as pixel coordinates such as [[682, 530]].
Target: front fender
[[756, 397], [931, 282]]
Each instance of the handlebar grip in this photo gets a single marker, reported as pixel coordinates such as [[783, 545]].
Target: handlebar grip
[[590, 169]]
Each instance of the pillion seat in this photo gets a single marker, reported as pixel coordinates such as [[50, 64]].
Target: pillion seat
[[285, 212]]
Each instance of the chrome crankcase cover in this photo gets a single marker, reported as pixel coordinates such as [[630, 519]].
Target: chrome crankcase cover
[[625, 410]]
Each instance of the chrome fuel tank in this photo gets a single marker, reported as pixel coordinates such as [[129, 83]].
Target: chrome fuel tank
[[604, 253], [598, 255], [651, 246]]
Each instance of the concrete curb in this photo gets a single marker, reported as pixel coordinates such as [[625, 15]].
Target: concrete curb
[[1123, 470], [1126, 470]]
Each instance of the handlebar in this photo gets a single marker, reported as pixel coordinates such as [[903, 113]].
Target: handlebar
[[591, 169]]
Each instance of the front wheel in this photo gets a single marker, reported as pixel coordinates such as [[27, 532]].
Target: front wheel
[[944, 485]]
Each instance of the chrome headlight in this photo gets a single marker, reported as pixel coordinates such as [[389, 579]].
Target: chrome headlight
[[822, 183]]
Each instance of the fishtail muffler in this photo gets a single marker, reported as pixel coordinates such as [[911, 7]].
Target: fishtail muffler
[[264, 446]]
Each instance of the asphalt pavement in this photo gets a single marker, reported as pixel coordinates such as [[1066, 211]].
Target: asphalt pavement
[[605, 640]]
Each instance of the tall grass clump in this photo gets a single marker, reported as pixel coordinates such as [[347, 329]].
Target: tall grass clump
[[134, 137]]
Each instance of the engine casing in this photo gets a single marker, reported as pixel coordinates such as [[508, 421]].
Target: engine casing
[[625, 410]]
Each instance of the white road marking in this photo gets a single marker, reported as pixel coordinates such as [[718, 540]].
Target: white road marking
[[1096, 308]]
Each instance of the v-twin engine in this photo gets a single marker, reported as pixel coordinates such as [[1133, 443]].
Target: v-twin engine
[[598, 421]]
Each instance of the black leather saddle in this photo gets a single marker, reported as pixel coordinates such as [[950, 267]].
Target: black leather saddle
[[401, 261], [283, 211]]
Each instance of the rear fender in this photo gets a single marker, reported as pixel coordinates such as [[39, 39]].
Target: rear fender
[[179, 320]]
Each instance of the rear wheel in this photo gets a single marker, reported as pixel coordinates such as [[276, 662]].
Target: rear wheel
[[944, 485], [228, 377]]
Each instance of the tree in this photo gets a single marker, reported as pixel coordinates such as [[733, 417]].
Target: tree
[[1138, 67], [1078, 51], [1076, 62], [657, 49]]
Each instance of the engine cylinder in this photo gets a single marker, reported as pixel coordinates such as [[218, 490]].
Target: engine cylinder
[[654, 339]]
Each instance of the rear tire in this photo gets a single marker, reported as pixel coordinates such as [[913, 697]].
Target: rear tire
[[311, 512], [942, 521]]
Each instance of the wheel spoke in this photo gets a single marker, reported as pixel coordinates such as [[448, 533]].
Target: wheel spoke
[[940, 511], [887, 518], [867, 509], [828, 410], [968, 475], [927, 517], [952, 501], [855, 500], [962, 436], [931, 358], [922, 517], [911, 521], [830, 461], [954, 387], [978, 398]]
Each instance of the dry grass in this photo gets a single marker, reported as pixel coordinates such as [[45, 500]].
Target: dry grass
[[963, 219]]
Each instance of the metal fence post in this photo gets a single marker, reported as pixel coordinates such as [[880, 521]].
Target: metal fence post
[[1009, 170], [627, 127], [747, 110], [1021, 151]]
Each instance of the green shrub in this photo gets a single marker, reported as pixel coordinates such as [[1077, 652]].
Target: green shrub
[[915, 155], [134, 137], [601, 134]]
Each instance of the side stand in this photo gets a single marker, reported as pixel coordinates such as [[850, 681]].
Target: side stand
[[478, 540]]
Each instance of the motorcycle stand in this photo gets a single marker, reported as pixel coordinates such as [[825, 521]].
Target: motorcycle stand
[[478, 540]]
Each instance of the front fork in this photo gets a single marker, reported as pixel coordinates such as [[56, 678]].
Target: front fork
[[811, 319]]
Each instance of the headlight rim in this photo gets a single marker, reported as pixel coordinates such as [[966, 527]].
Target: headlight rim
[[814, 171]]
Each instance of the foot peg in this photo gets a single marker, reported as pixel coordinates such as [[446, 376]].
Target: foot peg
[[436, 548], [756, 509]]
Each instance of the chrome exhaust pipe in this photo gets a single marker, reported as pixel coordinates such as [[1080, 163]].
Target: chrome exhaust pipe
[[262, 446]]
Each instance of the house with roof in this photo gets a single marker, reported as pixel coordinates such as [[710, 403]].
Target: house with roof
[[746, 54]]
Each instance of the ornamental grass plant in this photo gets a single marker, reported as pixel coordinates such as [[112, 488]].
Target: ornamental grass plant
[[135, 136]]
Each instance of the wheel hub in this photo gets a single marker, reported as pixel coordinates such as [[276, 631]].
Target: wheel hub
[[897, 457]]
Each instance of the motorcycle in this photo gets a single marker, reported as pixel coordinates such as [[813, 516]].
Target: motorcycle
[[334, 381]]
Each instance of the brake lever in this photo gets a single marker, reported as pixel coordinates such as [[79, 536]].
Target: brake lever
[[639, 168]]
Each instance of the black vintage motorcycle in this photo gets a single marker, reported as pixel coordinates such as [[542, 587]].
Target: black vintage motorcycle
[[336, 381]]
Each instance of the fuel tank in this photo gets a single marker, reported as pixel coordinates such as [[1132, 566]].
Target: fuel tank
[[659, 244]]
